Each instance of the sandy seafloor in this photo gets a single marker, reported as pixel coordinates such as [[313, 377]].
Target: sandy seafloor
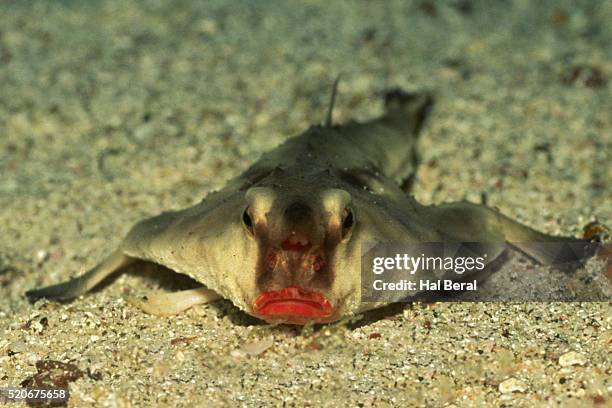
[[110, 112]]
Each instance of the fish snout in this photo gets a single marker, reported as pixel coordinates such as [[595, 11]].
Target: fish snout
[[294, 264], [298, 212], [299, 227]]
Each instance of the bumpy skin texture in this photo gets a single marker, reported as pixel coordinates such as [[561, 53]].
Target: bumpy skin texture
[[295, 222]]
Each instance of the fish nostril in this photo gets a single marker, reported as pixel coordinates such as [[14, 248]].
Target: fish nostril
[[318, 264]]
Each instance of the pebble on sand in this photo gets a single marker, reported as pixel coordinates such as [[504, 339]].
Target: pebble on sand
[[253, 349], [512, 385], [572, 358]]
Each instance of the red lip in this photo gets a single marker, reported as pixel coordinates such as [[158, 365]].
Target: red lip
[[292, 302]]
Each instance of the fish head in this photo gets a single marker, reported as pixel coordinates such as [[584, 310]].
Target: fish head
[[299, 236]]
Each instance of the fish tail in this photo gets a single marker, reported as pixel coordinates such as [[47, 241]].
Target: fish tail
[[406, 111]]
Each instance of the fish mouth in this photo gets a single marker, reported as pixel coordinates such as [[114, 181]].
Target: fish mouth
[[296, 242], [292, 304]]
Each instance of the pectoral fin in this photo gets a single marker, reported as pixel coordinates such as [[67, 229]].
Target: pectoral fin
[[173, 239], [168, 304], [82, 284], [469, 222]]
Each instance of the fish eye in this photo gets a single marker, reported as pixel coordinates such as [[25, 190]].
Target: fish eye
[[347, 221], [247, 221]]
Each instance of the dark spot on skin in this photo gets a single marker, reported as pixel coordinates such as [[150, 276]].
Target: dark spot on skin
[[584, 75]]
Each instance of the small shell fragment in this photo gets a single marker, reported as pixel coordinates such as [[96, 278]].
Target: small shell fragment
[[253, 349], [512, 385], [572, 358]]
